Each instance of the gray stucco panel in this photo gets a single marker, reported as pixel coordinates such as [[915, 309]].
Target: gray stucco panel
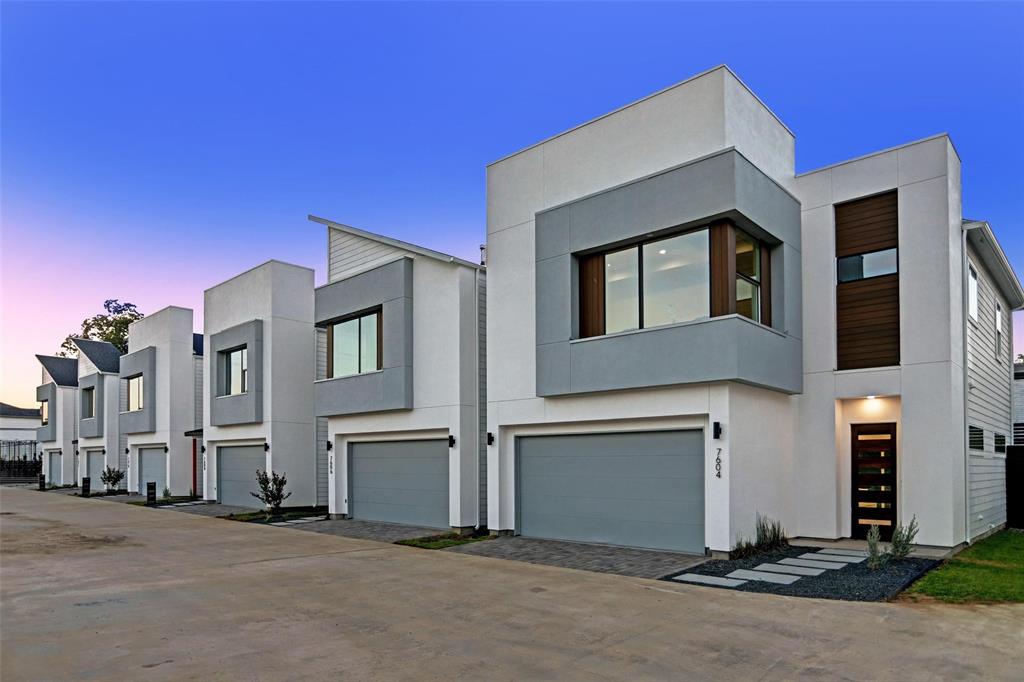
[[48, 393], [140, 362], [244, 408], [722, 185], [92, 427], [388, 287]]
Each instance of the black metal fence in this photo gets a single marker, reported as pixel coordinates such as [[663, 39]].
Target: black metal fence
[[24, 467], [18, 449]]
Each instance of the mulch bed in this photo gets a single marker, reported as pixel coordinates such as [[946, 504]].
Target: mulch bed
[[855, 582]]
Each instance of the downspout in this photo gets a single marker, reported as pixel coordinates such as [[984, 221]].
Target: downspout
[[964, 229]]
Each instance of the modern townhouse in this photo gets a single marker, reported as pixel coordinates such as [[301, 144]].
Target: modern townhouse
[[159, 375], [684, 333], [260, 364], [58, 405], [401, 381], [100, 444], [1018, 403]]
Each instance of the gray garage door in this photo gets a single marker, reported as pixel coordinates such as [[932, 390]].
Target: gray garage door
[[236, 474], [153, 467], [95, 470], [400, 482], [53, 475], [633, 489]]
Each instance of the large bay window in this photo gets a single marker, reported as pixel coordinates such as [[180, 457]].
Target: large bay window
[[712, 271], [354, 345]]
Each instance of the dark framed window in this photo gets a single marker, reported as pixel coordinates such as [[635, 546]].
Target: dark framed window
[[355, 345], [135, 393], [44, 412], [1000, 442], [867, 265], [674, 279], [88, 403], [236, 370], [975, 438], [1018, 433]]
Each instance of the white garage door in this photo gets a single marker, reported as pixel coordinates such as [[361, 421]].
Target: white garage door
[[95, 470], [153, 467], [236, 469], [632, 489], [53, 474], [400, 482]]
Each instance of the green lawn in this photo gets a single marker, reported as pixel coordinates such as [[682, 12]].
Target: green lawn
[[990, 571]]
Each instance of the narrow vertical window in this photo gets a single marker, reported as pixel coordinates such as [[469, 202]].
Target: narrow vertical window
[[134, 393], [748, 277], [236, 371], [999, 331], [1000, 443], [88, 403], [44, 412], [972, 293]]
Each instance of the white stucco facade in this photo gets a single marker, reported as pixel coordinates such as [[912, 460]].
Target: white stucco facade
[[280, 295], [58, 453], [108, 444], [446, 360], [169, 332]]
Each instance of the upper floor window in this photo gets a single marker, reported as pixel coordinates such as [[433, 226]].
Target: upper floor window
[[866, 265], [135, 393], [354, 345], [236, 371], [972, 293], [88, 403], [670, 280], [975, 438], [44, 412], [999, 331]]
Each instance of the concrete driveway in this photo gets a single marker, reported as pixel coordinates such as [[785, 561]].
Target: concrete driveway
[[91, 590]]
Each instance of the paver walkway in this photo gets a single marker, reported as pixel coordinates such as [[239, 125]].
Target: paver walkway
[[367, 530], [641, 563], [785, 572]]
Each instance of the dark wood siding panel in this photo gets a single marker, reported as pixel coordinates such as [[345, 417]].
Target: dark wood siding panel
[[865, 225], [868, 323], [766, 285], [591, 295], [723, 269]]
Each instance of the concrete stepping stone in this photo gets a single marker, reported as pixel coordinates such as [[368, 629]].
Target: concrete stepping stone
[[708, 580], [844, 552], [791, 570], [777, 578], [833, 557], [812, 564], [281, 523]]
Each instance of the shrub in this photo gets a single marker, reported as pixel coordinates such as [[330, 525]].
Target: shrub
[[876, 558], [744, 548], [167, 493], [770, 534], [112, 478], [271, 491], [902, 539]]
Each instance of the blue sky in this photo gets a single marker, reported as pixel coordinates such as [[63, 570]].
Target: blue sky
[[200, 135]]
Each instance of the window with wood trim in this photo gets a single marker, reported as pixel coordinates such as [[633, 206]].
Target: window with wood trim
[[690, 276], [355, 345], [867, 282]]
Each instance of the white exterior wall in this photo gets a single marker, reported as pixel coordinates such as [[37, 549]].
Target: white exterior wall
[[170, 332], [281, 295], [929, 380], [65, 412], [989, 402], [706, 114], [110, 441], [445, 374]]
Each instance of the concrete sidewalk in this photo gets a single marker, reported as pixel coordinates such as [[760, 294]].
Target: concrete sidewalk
[[91, 590]]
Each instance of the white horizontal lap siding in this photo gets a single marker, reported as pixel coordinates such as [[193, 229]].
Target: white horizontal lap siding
[[1018, 410], [348, 253], [989, 403], [482, 345], [321, 422]]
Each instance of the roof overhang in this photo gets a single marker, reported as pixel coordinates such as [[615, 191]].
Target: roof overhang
[[981, 237], [396, 243]]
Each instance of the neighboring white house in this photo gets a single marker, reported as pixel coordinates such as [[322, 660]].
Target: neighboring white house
[[158, 379], [401, 381], [260, 366], [18, 429], [1018, 403], [683, 333], [99, 438], [58, 405]]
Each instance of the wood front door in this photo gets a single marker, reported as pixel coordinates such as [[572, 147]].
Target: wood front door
[[873, 458]]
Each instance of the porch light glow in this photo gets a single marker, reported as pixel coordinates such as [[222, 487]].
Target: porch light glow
[[870, 397]]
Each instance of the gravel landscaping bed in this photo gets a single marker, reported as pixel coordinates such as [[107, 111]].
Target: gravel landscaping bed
[[855, 582]]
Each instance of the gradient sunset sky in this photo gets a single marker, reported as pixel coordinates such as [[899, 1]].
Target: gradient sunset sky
[[149, 151]]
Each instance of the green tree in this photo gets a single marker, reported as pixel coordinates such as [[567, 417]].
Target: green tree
[[111, 326]]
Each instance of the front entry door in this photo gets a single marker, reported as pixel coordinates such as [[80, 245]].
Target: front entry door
[[873, 457]]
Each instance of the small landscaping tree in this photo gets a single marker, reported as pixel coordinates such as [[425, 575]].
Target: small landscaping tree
[[111, 478], [876, 558], [902, 539], [167, 493], [271, 493]]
